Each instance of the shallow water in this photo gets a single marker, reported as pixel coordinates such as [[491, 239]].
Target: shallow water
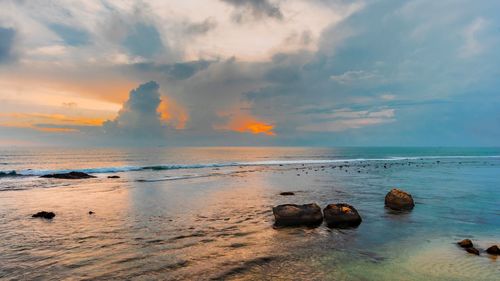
[[203, 221]]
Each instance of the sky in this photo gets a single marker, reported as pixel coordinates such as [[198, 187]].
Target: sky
[[250, 72]]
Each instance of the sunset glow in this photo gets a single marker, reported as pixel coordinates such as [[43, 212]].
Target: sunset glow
[[257, 128], [47, 122], [246, 124], [172, 113]]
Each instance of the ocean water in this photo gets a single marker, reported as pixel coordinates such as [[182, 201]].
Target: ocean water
[[205, 214]]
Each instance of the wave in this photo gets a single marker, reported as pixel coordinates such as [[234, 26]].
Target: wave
[[4, 174], [104, 170]]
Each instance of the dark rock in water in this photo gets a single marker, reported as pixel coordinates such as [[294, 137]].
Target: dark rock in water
[[399, 200], [473, 250], [296, 215], [287, 193], [493, 250], [44, 215], [113, 177], [466, 243], [91, 213], [69, 176], [341, 216]]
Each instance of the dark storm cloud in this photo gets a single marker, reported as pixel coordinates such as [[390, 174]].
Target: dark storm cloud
[[254, 8], [7, 36]]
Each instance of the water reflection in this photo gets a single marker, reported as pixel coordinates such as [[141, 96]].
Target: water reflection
[[220, 226]]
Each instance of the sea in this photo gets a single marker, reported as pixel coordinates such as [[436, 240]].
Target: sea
[[205, 213]]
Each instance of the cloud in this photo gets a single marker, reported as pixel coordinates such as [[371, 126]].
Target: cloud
[[388, 96], [28, 119], [139, 116], [472, 45], [254, 9], [7, 36], [353, 76], [147, 114], [346, 119], [197, 28], [310, 72], [71, 36], [242, 122], [144, 40], [175, 71]]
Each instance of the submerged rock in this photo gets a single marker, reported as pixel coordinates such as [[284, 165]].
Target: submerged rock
[[69, 176], [113, 177], [296, 215], [397, 199], [287, 193], [493, 250], [44, 215], [472, 250], [466, 243], [341, 216]]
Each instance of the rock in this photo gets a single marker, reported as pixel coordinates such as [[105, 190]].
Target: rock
[[493, 250], [113, 177], [466, 243], [341, 216], [399, 200], [287, 193], [69, 176], [44, 215], [473, 250], [296, 215]]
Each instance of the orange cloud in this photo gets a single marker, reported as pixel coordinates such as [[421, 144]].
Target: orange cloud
[[256, 127], [246, 124], [57, 119], [30, 120], [55, 130], [173, 113]]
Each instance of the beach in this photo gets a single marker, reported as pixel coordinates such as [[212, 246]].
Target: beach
[[206, 214]]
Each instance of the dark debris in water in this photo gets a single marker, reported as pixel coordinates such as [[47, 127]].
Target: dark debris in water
[[44, 215]]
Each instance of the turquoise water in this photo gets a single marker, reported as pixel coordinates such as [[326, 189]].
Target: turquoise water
[[205, 213]]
